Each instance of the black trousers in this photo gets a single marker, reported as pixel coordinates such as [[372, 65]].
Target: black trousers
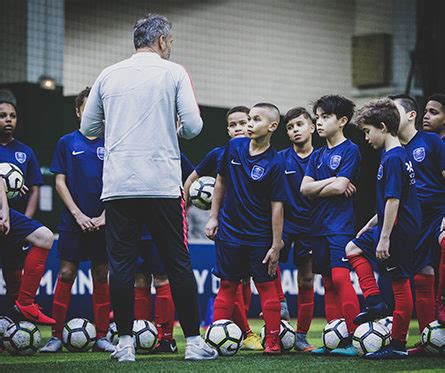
[[165, 219]]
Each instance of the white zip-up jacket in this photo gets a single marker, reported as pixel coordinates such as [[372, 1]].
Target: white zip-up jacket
[[136, 105]]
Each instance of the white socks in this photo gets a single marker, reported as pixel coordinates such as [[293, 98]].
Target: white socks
[[125, 341], [196, 340]]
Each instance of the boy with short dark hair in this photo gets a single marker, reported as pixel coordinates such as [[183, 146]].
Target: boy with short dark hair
[[246, 219], [434, 115], [328, 182], [398, 219]]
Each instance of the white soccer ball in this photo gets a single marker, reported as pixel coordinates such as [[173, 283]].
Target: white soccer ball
[[22, 338], [334, 333], [4, 323], [201, 192], [386, 322], [225, 337], [433, 337], [112, 335], [287, 336], [145, 336], [370, 337], [78, 335], [13, 177]]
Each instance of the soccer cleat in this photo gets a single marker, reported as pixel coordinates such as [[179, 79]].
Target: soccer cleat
[[284, 311], [321, 351], [200, 351], [347, 351], [34, 314], [417, 350], [372, 313], [53, 345], [301, 344], [166, 346], [124, 354], [272, 345], [392, 351], [252, 342], [441, 313], [103, 345]]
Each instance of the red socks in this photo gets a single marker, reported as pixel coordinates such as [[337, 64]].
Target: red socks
[[142, 304], [225, 299], [32, 274], [331, 304], [348, 298], [12, 278], [270, 305], [403, 309], [277, 282], [424, 288], [365, 275], [164, 312], [247, 295], [239, 316], [441, 285], [305, 309], [101, 307], [61, 303]]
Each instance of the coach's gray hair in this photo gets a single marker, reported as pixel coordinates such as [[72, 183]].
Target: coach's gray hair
[[149, 28]]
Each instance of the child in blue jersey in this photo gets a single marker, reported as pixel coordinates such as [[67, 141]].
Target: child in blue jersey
[[237, 118], [328, 183], [434, 121], [246, 219], [296, 231], [77, 164], [14, 151], [398, 220]]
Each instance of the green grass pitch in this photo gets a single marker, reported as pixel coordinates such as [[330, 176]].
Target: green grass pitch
[[244, 361]]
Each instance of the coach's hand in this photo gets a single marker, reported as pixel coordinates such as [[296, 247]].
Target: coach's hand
[[83, 221], [211, 228], [382, 250], [272, 257]]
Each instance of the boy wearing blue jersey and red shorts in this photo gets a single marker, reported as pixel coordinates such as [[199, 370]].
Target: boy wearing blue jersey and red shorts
[[398, 220], [246, 220], [237, 118], [328, 183], [21, 155], [78, 163], [296, 231]]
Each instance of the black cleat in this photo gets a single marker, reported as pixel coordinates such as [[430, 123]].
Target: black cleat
[[372, 312], [166, 346]]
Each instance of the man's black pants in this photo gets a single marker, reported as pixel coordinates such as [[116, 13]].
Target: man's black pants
[[165, 219]]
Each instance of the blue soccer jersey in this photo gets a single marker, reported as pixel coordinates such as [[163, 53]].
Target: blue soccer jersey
[[427, 154], [22, 156], [81, 161], [396, 179], [209, 165], [252, 183], [333, 215], [298, 208]]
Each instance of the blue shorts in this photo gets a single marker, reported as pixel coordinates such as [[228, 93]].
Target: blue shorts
[[329, 252], [78, 246], [150, 261], [302, 247], [235, 262], [368, 242]]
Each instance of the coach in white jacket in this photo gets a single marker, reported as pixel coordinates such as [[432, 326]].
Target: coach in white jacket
[[140, 105]]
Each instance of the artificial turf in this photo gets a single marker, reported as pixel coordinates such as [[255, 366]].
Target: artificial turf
[[244, 361]]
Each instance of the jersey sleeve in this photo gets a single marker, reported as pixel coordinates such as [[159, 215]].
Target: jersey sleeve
[[311, 167], [209, 164], [34, 175], [393, 173], [58, 163], [186, 167], [349, 165], [278, 183]]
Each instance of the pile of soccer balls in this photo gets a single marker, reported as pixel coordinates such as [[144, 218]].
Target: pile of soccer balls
[[145, 336]]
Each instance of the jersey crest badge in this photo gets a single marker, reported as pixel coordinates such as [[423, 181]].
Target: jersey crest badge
[[334, 162], [20, 156], [419, 154], [257, 172], [380, 173], [100, 151]]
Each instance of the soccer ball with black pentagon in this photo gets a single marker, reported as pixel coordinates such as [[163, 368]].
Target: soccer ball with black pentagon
[[201, 192], [13, 177], [370, 337], [145, 336], [433, 338], [287, 336], [4, 323], [386, 322], [22, 338], [112, 335], [334, 333], [78, 335], [225, 337]]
